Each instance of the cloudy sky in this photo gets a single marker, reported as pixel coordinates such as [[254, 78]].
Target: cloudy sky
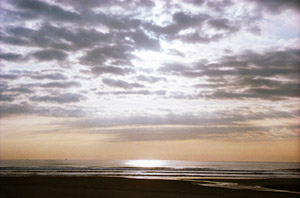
[[142, 79]]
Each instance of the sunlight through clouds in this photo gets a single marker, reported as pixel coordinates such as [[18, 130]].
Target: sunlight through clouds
[[171, 70]]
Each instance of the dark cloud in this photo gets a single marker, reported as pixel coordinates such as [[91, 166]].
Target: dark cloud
[[111, 70], [99, 56], [9, 94], [289, 90], [223, 24], [219, 5], [9, 76], [213, 118], [248, 63], [22, 90], [10, 56], [196, 2], [104, 37], [181, 21], [89, 3], [48, 55], [121, 84], [136, 92], [288, 58], [173, 67], [51, 76], [208, 132], [7, 97], [43, 9], [278, 93], [15, 109], [259, 72], [62, 98], [120, 27], [247, 75], [78, 37], [214, 125], [21, 36], [262, 82], [64, 85], [7, 110], [247, 88], [58, 38], [141, 40], [185, 20], [13, 40], [198, 38], [17, 15], [133, 4], [150, 79], [41, 75], [277, 6]]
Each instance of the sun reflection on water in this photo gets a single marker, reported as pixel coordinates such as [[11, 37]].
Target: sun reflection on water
[[145, 163]]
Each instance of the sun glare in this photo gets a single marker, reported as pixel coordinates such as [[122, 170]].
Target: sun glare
[[146, 163]]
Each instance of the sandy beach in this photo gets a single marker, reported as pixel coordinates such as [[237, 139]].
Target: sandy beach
[[46, 186]]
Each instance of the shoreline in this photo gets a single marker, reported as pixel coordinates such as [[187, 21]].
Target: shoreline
[[79, 186]]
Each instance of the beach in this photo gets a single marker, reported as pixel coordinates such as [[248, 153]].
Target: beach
[[113, 187]]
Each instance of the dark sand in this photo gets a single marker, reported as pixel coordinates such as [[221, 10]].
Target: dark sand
[[46, 186]]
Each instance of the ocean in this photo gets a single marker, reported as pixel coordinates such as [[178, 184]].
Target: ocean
[[150, 169]]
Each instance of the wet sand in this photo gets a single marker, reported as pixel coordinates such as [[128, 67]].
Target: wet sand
[[46, 186]]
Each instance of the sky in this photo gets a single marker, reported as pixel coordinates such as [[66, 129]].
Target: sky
[[210, 80]]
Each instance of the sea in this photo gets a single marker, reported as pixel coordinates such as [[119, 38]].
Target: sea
[[150, 169]]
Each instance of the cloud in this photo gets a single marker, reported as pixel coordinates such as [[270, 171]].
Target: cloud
[[180, 21], [99, 56], [23, 90], [186, 60], [9, 94], [175, 53], [223, 24], [141, 40], [121, 84], [52, 76], [111, 70], [15, 109], [8, 110], [277, 6], [196, 37], [219, 5], [48, 55], [64, 85], [246, 75], [13, 40], [208, 133], [108, 3], [40, 75], [7, 97], [10, 56], [196, 2], [39, 9], [212, 118], [173, 67], [227, 124], [150, 79], [136, 92], [62, 98], [9, 76], [22, 36], [78, 37]]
